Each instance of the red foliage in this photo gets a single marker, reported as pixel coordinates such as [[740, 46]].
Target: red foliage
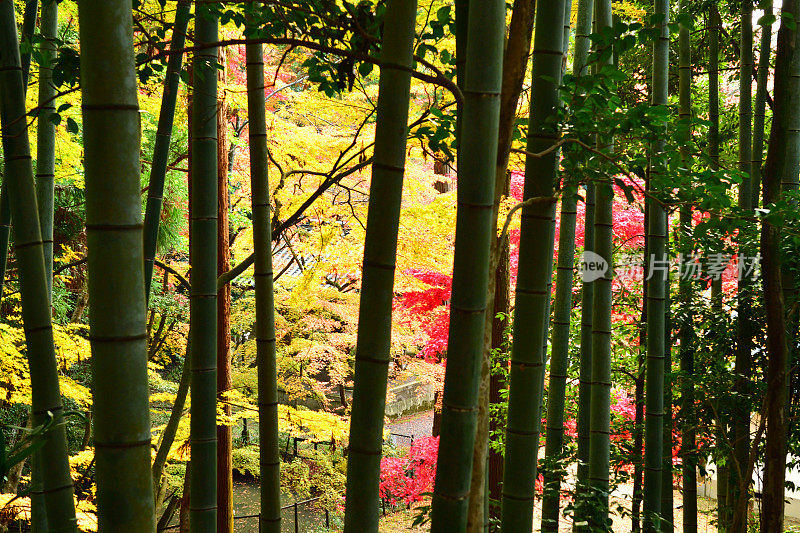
[[628, 220], [428, 308], [405, 479], [427, 299]]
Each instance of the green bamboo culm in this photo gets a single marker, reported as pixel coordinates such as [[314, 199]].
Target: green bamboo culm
[[166, 118], [120, 387], [790, 183], [373, 345], [667, 496], [563, 302], [478, 148], [45, 183], [737, 494], [269, 455], [57, 492], [600, 422], [715, 25], [688, 451], [29, 17], [585, 366], [28, 26], [203, 258], [45, 165], [657, 235], [171, 429], [760, 103], [531, 315], [46, 134]]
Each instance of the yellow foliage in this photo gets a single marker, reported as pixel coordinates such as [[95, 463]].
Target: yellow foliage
[[162, 397], [14, 508], [80, 462], [314, 425], [71, 348]]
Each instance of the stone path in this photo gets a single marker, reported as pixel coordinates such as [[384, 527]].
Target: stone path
[[416, 425]]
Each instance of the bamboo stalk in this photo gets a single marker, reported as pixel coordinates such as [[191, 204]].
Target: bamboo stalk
[[373, 344], [563, 301], [203, 258], [36, 315], [46, 135], [269, 454], [600, 423], [688, 451], [531, 315], [120, 385], [760, 104], [744, 340], [657, 231], [28, 26], [478, 150], [780, 165], [166, 118]]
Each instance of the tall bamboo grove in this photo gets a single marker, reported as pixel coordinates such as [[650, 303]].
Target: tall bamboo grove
[[18, 180]]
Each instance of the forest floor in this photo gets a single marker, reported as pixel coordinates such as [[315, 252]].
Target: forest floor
[[420, 425], [400, 522]]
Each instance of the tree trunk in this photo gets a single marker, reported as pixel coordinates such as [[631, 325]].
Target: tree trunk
[[638, 442], [166, 118], [715, 23], [29, 16], [667, 503], [373, 346], [600, 423], [738, 489], [203, 259], [531, 316], [779, 165], [184, 512], [502, 304], [585, 367], [28, 27], [224, 376], [171, 429], [474, 230], [36, 313], [45, 150]]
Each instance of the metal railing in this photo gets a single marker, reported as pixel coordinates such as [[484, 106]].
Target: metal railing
[[295, 507]]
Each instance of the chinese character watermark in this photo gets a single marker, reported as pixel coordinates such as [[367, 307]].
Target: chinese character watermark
[[688, 267]]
